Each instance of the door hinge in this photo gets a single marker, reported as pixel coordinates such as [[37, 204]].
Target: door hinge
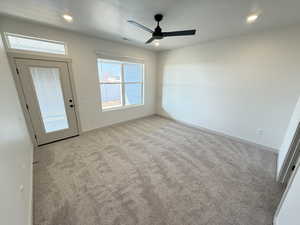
[[17, 71], [27, 107]]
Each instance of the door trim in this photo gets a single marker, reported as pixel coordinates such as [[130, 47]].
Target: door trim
[[285, 193], [12, 56], [290, 158]]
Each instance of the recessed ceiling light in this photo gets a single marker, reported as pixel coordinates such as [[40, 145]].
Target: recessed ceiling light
[[68, 18], [156, 43], [252, 18]]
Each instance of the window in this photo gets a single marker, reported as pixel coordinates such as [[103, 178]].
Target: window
[[121, 83], [20, 42]]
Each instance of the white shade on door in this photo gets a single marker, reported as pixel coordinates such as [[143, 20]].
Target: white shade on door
[[50, 98]]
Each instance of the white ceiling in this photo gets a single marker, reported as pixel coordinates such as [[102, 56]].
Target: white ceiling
[[213, 19]]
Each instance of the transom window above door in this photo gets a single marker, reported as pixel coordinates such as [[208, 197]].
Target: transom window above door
[[33, 44], [121, 84]]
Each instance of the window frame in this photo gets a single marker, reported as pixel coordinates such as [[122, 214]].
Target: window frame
[[122, 84], [11, 49]]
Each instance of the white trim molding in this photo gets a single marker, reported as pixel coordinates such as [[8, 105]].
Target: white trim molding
[[118, 57], [263, 147], [285, 193]]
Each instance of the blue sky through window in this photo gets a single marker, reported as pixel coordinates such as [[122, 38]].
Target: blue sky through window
[[114, 84]]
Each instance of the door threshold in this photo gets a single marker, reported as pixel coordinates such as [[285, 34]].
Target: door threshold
[[58, 140]]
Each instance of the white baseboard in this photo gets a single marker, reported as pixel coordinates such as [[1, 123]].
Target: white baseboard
[[116, 123], [263, 147]]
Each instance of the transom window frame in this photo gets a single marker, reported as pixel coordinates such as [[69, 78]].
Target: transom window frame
[[16, 50], [122, 82]]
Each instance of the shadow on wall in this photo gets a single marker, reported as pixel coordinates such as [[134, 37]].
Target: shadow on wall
[[245, 87]]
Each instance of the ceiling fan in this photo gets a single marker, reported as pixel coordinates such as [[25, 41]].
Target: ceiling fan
[[157, 34]]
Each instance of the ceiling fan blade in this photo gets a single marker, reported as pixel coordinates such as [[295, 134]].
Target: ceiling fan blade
[[150, 40], [179, 33], [140, 26]]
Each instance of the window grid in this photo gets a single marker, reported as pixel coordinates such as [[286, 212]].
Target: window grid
[[122, 84]]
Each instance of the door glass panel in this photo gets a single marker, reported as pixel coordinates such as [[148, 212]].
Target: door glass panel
[[48, 90]]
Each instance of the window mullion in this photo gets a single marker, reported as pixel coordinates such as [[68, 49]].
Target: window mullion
[[122, 85], [142, 85], [100, 84]]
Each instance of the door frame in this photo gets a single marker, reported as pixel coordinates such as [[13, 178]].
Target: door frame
[[291, 158], [12, 56], [285, 193]]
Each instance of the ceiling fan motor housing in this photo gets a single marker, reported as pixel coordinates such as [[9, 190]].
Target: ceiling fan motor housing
[[157, 34]]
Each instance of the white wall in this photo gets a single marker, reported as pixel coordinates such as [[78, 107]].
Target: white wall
[[82, 49], [288, 213], [234, 86], [15, 153], [289, 136]]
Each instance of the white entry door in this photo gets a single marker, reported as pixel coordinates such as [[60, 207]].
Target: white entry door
[[49, 99]]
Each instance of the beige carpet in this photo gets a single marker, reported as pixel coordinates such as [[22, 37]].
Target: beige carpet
[[153, 171]]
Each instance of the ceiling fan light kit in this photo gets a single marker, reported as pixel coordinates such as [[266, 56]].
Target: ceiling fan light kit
[[157, 34]]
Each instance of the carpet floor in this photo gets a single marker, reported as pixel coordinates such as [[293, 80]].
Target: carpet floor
[[153, 171]]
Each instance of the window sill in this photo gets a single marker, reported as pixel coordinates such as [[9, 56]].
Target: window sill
[[121, 108]]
